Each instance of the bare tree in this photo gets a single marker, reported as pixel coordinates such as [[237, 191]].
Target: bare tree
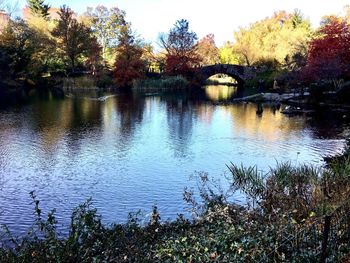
[[9, 6]]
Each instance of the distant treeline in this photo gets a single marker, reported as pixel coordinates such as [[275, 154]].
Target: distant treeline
[[100, 42]]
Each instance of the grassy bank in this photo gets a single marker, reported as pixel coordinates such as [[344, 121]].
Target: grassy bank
[[83, 82], [87, 82], [293, 214], [163, 84]]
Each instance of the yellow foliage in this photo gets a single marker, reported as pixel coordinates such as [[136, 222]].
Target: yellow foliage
[[228, 55], [41, 25], [272, 39]]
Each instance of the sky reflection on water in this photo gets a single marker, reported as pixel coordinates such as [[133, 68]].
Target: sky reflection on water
[[130, 152]]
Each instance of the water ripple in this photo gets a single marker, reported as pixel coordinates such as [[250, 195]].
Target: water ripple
[[131, 153]]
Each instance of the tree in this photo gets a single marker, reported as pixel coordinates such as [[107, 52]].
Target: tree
[[38, 7], [272, 39], [207, 50], [94, 59], [47, 58], [228, 55], [347, 13], [73, 37], [329, 54], [246, 46], [106, 25], [129, 64], [180, 47], [297, 60], [154, 61], [16, 47], [9, 6], [25, 51]]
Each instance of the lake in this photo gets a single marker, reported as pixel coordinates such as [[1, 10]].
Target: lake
[[133, 151]]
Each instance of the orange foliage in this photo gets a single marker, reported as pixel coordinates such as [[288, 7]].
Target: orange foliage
[[180, 46], [207, 50], [181, 64], [128, 65]]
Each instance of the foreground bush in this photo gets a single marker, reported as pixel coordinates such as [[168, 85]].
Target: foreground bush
[[293, 214]]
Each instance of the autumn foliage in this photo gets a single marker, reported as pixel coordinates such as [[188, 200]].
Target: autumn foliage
[[180, 65], [72, 36], [180, 47], [207, 50], [129, 64], [329, 54], [272, 39], [94, 58]]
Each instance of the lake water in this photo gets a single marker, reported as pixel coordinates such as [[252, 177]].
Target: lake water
[[131, 152]]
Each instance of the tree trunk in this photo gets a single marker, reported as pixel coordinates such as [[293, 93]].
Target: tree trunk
[[73, 64]]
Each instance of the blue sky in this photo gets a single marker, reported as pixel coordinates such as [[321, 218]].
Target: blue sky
[[220, 17]]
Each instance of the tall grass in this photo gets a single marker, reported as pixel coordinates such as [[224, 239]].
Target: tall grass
[[82, 82], [88, 82], [165, 83]]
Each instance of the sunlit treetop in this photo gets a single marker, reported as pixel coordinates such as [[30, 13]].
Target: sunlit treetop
[[207, 50], [273, 38], [38, 7], [106, 24]]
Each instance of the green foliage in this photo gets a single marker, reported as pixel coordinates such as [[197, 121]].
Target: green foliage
[[25, 51], [16, 46], [266, 76], [106, 25], [37, 7], [104, 80], [73, 38], [296, 191]]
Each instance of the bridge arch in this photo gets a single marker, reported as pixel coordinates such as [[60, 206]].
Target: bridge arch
[[239, 73]]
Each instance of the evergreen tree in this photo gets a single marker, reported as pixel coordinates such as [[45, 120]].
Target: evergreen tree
[[39, 8]]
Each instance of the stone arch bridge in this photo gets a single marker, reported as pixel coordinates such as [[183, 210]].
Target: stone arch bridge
[[239, 73]]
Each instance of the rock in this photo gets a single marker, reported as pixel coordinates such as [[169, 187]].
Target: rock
[[291, 110], [270, 97]]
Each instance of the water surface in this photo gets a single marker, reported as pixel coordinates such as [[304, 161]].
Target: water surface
[[131, 152]]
